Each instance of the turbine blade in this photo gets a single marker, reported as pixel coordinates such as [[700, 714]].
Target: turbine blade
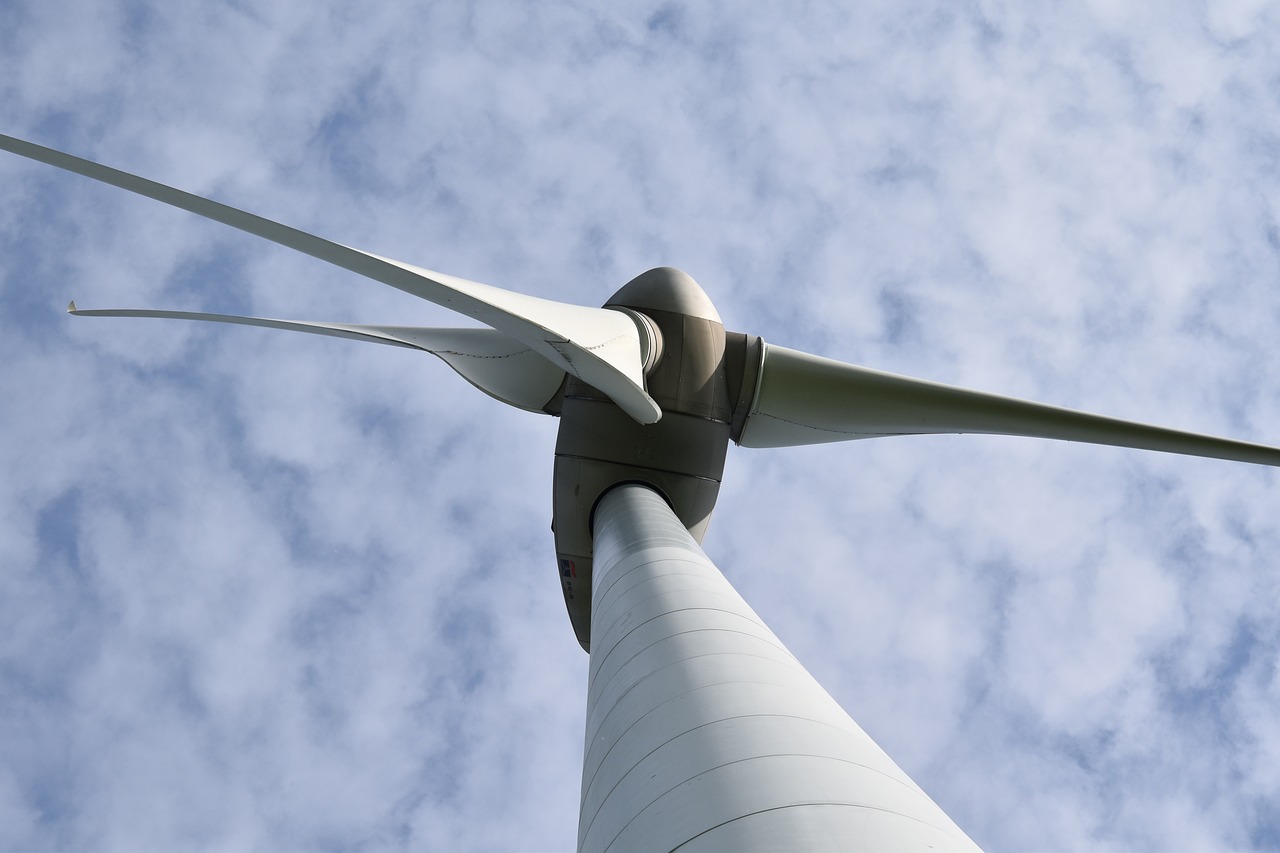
[[498, 365], [805, 399], [602, 347]]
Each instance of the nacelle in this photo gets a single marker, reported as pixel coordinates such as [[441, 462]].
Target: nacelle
[[698, 380]]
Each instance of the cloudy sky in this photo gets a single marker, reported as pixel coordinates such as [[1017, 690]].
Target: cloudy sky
[[272, 591]]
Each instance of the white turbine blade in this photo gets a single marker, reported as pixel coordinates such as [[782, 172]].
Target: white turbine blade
[[600, 346], [806, 399], [503, 368]]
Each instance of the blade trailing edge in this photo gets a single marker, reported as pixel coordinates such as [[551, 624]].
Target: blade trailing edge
[[806, 399]]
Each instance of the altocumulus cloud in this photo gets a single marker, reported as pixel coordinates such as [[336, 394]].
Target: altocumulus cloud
[[263, 590]]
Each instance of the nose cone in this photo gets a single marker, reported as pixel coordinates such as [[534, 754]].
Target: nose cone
[[665, 289]]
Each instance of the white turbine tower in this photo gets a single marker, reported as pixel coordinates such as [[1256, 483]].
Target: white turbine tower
[[703, 731]]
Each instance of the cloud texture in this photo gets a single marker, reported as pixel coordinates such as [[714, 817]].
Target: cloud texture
[[263, 590]]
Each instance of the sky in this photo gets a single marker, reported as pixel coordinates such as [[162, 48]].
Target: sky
[[263, 590]]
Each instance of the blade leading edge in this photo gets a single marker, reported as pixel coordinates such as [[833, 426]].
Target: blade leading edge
[[603, 347], [806, 399], [503, 368]]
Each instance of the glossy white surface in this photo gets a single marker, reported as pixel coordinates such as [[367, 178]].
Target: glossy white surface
[[600, 346], [806, 399], [501, 367], [704, 732]]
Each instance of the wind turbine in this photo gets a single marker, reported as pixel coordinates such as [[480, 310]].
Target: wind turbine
[[703, 731]]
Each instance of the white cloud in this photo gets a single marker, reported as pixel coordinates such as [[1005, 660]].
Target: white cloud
[[264, 590]]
